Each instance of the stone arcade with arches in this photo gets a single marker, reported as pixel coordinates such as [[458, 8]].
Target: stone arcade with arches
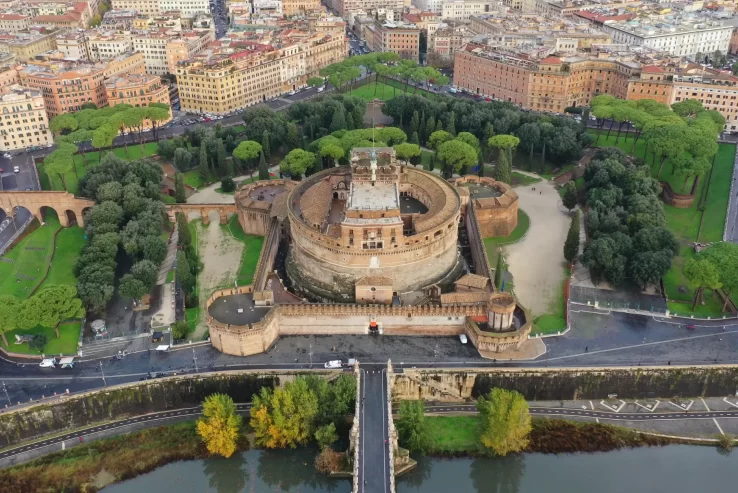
[[69, 208]]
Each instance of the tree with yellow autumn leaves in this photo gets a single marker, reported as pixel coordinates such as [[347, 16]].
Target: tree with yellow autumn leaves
[[220, 425]]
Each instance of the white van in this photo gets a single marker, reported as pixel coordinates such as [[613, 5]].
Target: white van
[[333, 364], [65, 363], [462, 338], [48, 363]]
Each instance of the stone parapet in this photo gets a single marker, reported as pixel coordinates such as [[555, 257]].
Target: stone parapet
[[679, 200]]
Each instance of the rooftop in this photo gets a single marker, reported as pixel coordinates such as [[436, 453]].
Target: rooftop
[[380, 196]]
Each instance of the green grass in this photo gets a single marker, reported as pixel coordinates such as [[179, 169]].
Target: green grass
[[170, 276], [65, 344], [239, 128], [90, 159], [32, 263], [555, 320], [194, 179], [453, 434], [167, 199], [718, 195], [192, 315], [425, 159], [69, 243], [391, 88], [521, 180], [251, 251]]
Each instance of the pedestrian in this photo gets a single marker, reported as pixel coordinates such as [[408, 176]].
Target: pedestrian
[[586, 349], [80, 439]]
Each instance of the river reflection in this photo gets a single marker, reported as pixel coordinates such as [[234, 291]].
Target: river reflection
[[673, 469]]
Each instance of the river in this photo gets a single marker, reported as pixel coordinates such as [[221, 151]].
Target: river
[[673, 469]]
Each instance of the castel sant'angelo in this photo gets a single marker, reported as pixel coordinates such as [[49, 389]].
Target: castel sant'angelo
[[372, 247]]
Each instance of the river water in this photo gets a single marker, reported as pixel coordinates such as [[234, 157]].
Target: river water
[[673, 469]]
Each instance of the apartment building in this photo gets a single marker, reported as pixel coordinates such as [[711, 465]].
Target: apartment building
[[294, 7], [27, 45], [567, 8], [14, 22], [345, 7], [513, 4], [427, 22], [234, 72], [103, 45], [23, 119], [400, 38], [120, 20], [171, 21], [462, 10], [521, 31], [153, 45], [186, 7], [8, 77], [73, 44], [652, 83], [65, 86], [715, 90], [449, 40], [137, 90], [186, 46], [147, 7], [682, 37]]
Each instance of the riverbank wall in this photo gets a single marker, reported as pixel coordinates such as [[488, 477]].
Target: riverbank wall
[[455, 385], [134, 399]]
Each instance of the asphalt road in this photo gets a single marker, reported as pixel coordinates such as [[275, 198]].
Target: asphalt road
[[547, 411], [374, 470], [76, 435]]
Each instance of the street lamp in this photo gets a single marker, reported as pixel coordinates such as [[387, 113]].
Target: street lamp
[[6, 394], [194, 359]]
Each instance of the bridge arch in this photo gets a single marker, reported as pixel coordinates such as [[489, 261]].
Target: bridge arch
[[67, 207]]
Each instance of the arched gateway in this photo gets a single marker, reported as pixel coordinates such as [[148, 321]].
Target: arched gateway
[[69, 208]]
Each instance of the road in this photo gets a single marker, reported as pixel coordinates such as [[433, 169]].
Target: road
[[220, 17], [373, 444]]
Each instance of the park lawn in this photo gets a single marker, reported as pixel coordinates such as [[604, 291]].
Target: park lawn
[[66, 343], [170, 275], [453, 434], [239, 128], [167, 199], [81, 163], [251, 251], [194, 179], [425, 159], [69, 244], [680, 303], [521, 180], [711, 309], [31, 257], [718, 195], [391, 88]]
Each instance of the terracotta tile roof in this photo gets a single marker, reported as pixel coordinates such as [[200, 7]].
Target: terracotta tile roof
[[473, 281], [374, 281], [653, 69], [316, 202], [12, 17], [551, 60], [470, 298]]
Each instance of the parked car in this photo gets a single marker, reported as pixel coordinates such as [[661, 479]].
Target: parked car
[[333, 364], [7, 156], [291, 93], [66, 363], [462, 338], [47, 363], [321, 89], [16, 169]]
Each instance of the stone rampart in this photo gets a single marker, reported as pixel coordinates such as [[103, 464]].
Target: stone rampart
[[568, 383], [268, 254], [679, 200], [68, 207]]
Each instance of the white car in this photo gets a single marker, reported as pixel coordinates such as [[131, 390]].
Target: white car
[[336, 363], [291, 93], [321, 89], [7, 156], [47, 363], [16, 169]]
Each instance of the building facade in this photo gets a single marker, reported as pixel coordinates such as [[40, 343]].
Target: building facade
[[23, 119], [14, 22], [138, 90], [462, 10], [27, 45], [403, 39], [295, 7]]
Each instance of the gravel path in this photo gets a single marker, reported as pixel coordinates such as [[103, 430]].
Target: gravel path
[[537, 261]]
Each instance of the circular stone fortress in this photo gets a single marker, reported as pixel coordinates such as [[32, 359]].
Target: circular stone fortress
[[372, 230], [372, 247]]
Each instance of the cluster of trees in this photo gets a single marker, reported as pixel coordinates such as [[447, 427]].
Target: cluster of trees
[[504, 423], [102, 125], [571, 245], [558, 139], [456, 152], [685, 134], [309, 408], [188, 265], [626, 225], [328, 114], [128, 214], [386, 65], [714, 268], [49, 307], [335, 149]]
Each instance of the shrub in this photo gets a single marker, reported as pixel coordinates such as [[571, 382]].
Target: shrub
[[38, 342]]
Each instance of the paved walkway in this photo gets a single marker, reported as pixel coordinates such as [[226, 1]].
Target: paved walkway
[[731, 232], [374, 468]]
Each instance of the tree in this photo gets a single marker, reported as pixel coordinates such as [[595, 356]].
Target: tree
[[407, 151], [470, 139], [457, 154], [506, 143], [220, 425], [437, 138], [296, 162], [569, 198], [724, 255], [504, 421], [332, 151], [338, 122], [415, 122], [227, 185], [157, 114], [9, 306], [146, 271], [266, 145], [284, 417], [415, 139], [263, 168], [499, 270], [703, 274], [412, 428], [180, 194], [203, 165], [315, 81], [503, 170], [571, 245], [451, 124], [103, 137], [184, 238], [184, 273], [326, 435], [130, 287], [54, 304], [60, 163]]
